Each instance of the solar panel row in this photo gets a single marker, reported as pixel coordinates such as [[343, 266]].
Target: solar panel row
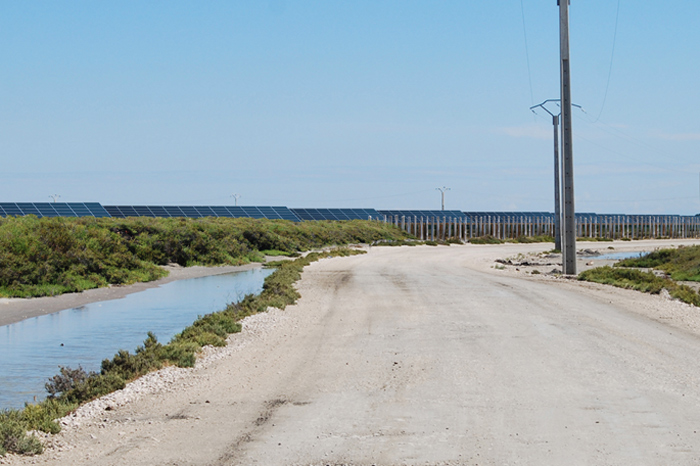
[[337, 214], [53, 209], [276, 213], [94, 209], [423, 213], [540, 215]]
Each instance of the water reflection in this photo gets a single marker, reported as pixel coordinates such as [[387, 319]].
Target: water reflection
[[620, 255], [33, 349]]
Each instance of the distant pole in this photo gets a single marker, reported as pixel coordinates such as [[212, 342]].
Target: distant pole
[[557, 190], [569, 239], [235, 198], [442, 191], [55, 197]]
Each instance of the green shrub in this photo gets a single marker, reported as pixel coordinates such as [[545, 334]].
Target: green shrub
[[65, 380], [486, 239], [14, 437], [641, 281], [534, 239]]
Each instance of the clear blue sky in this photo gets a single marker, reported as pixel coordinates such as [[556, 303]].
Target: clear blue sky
[[347, 103]]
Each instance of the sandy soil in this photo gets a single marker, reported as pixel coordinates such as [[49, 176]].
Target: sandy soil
[[16, 309], [425, 355]]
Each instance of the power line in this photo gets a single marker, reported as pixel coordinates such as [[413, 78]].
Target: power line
[[612, 54], [527, 53]]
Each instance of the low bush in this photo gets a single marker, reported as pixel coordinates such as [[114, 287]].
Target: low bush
[[646, 282], [534, 239], [14, 437], [486, 239]]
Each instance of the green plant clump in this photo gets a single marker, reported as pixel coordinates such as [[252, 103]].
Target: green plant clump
[[486, 239], [534, 239], [646, 282]]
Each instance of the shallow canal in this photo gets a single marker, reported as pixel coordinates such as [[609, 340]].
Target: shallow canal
[[33, 349]]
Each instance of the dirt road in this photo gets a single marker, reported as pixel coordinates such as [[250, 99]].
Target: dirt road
[[429, 356]]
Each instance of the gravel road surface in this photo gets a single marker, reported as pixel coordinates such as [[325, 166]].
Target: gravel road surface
[[426, 356]]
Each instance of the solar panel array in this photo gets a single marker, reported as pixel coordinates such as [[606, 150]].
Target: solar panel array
[[95, 209], [423, 213], [509, 214], [53, 209], [337, 214], [275, 213]]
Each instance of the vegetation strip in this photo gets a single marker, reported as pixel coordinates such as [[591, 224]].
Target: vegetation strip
[[73, 387], [682, 264], [51, 256]]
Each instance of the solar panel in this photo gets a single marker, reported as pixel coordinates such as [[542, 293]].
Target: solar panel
[[285, 213], [306, 214], [46, 209], [11, 208], [426, 214], [63, 210], [114, 211], [221, 211], [96, 209], [128, 211], [28, 208], [268, 212], [143, 211], [159, 211], [80, 209], [205, 211], [190, 211], [326, 214], [343, 214], [173, 211], [2, 212], [302, 214], [252, 212]]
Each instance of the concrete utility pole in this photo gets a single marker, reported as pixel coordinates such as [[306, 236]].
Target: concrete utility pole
[[557, 178], [569, 238], [55, 197], [235, 198], [442, 190], [557, 201]]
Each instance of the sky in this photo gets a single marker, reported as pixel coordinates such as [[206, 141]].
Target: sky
[[362, 103]]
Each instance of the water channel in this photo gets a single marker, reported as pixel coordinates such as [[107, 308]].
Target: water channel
[[33, 349], [616, 256]]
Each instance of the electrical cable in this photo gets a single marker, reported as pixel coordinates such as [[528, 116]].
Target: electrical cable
[[612, 54], [527, 54]]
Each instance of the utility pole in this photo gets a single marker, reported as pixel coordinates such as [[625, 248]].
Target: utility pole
[[557, 201], [55, 198], [235, 199], [569, 238], [557, 178], [442, 191]]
